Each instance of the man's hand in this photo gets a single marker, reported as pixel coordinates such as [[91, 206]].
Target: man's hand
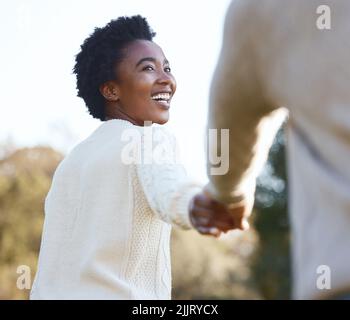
[[211, 217]]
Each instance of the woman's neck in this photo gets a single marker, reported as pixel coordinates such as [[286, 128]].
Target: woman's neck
[[117, 113]]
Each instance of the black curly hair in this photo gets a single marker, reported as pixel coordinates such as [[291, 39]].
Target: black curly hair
[[100, 53]]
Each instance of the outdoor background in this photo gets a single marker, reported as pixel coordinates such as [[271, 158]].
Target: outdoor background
[[41, 120]]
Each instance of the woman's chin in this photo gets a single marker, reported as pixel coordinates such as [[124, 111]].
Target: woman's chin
[[162, 118]]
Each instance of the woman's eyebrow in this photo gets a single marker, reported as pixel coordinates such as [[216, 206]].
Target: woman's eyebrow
[[154, 60]]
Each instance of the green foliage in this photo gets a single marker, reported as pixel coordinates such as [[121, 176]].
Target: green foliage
[[271, 264]]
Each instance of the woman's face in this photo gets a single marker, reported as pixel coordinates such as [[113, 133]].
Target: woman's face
[[144, 85]]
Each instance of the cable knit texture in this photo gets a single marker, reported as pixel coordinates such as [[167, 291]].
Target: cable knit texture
[[108, 220]]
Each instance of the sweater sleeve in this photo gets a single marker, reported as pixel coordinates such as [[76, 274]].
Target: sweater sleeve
[[164, 180], [238, 102]]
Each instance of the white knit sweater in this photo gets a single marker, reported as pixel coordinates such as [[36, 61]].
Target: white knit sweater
[[107, 221]]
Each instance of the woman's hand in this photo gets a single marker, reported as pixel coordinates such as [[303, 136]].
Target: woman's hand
[[211, 217]]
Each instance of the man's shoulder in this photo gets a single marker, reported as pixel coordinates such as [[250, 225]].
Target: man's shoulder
[[251, 13]]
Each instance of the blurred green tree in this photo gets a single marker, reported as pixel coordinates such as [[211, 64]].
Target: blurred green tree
[[271, 262]]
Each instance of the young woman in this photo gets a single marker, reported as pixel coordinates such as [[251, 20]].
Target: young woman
[[107, 219]]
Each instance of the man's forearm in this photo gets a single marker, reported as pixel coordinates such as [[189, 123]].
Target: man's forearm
[[238, 103], [250, 138]]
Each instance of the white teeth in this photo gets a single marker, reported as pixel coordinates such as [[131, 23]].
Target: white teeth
[[161, 96]]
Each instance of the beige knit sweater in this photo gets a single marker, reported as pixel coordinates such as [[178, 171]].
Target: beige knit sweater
[[108, 217], [275, 56]]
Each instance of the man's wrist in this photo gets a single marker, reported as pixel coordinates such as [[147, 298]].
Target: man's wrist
[[226, 198]]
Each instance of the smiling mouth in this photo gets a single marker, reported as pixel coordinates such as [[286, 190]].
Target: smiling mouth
[[163, 99]]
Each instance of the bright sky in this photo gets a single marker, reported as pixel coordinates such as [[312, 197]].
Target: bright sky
[[39, 40]]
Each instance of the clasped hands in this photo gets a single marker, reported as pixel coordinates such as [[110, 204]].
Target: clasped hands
[[211, 217]]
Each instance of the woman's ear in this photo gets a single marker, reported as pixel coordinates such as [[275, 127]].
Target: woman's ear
[[109, 90]]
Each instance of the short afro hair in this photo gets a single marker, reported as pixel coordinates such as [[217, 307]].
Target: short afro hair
[[100, 53]]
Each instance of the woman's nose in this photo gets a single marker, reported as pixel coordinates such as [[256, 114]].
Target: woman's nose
[[166, 78]]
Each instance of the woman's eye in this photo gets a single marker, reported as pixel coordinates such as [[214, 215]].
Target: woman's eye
[[148, 68], [167, 69]]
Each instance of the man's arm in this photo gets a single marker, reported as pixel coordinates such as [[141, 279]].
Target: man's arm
[[238, 102]]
